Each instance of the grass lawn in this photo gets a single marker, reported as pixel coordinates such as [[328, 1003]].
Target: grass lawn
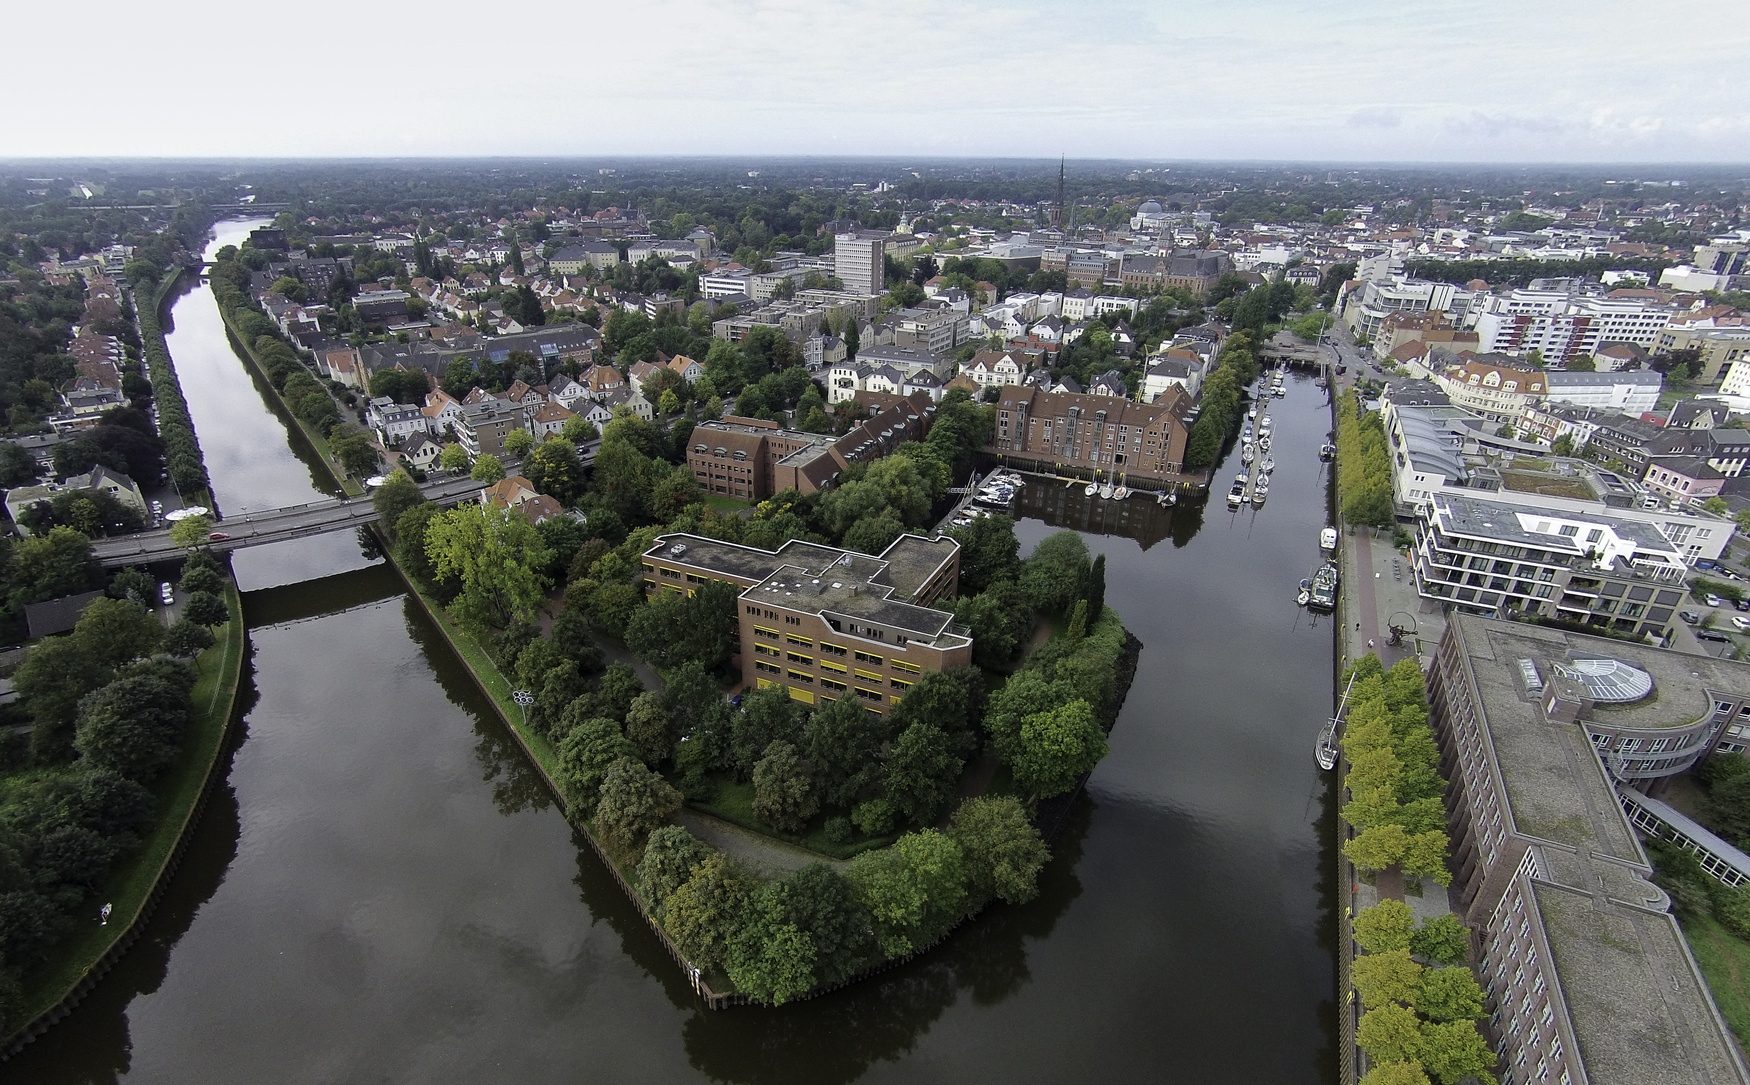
[[1547, 485], [1725, 964], [128, 888], [725, 503], [734, 804]]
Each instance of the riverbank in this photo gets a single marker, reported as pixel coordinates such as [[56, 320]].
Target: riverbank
[[318, 444], [184, 461], [134, 891]]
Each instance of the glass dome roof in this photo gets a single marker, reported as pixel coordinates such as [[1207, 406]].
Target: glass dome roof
[[1609, 681]]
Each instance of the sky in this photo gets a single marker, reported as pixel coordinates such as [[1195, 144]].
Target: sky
[[1403, 81]]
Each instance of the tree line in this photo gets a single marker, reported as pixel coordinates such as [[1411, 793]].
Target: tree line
[[1364, 467], [1223, 399], [182, 451], [1421, 1003], [106, 706], [1394, 781]]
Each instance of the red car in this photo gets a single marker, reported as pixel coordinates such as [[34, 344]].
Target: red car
[[217, 535]]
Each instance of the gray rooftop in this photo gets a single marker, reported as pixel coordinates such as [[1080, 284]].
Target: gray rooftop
[[1499, 522], [1640, 1010], [904, 568], [1434, 439], [1562, 378]]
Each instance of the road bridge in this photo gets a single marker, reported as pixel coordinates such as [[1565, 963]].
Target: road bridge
[[271, 525]]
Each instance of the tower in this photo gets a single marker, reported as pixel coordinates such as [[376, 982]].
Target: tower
[[1057, 209]]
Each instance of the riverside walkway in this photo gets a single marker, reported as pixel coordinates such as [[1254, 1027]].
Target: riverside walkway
[[270, 525]]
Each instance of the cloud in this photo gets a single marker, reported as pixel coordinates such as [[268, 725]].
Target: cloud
[[1374, 117]]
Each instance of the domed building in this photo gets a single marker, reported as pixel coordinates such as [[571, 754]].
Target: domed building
[[1150, 217]]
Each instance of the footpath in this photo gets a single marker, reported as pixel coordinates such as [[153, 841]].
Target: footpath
[[1373, 596]]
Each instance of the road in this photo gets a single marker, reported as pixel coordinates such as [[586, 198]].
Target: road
[[271, 525]]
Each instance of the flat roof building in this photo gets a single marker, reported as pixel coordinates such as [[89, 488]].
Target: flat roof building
[[825, 622], [1588, 977]]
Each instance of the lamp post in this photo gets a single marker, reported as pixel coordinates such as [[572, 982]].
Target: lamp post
[[524, 699]]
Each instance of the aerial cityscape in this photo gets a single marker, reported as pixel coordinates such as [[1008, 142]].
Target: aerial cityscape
[[743, 583]]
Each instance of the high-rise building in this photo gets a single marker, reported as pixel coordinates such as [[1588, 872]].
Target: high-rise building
[[858, 260]]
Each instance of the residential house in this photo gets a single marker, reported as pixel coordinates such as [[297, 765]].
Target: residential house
[[995, 367], [394, 422], [1146, 442], [1495, 386], [421, 452], [484, 425]]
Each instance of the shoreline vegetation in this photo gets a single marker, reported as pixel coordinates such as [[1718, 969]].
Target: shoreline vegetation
[[1050, 817], [917, 819], [313, 411], [133, 890]]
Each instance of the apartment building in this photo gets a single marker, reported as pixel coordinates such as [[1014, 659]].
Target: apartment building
[[1616, 569], [1634, 391], [752, 459], [1145, 442], [827, 623], [1497, 387], [482, 427], [1365, 305], [1588, 977]]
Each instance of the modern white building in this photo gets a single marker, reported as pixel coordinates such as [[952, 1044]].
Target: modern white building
[[1631, 392]]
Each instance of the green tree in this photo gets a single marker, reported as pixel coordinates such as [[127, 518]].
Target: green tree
[[921, 773], [1396, 1073], [454, 459], [822, 905], [703, 914], [633, 803], [670, 854], [499, 559], [487, 468], [395, 497], [1441, 939], [1096, 588], [115, 631], [914, 890], [49, 566], [1425, 856], [1056, 747], [132, 726], [1055, 572], [356, 453], [769, 957], [1384, 927], [989, 552], [191, 531], [518, 441], [1449, 994], [185, 639], [1453, 1051], [783, 796], [554, 468], [201, 578], [1717, 506], [1378, 847], [766, 716], [584, 756], [1388, 976], [53, 677], [843, 741], [647, 727], [1389, 1033], [17, 467], [204, 608], [1563, 445], [1003, 851]]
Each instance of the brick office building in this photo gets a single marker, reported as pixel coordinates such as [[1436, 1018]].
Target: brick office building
[[825, 622], [1144, 441]]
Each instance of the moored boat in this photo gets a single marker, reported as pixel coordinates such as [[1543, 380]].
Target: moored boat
[[1327, 451], [1328, 538], [1304, 594], [1324, 588]]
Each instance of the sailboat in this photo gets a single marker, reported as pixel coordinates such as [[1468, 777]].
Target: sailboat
[[1094, 486], [1122, 491], [1326, 748]]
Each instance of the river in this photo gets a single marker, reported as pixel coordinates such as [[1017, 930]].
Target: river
[[380, 892]]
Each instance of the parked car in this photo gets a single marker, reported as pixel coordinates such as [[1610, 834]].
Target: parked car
[[1741, 604], [166, 594], [1689, 616], [1711, 599], [1740, 623]]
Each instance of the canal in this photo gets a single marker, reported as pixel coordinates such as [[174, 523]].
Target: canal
[[379, 891]]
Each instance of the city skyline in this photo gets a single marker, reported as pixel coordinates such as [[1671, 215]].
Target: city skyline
[[1274, 82]]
